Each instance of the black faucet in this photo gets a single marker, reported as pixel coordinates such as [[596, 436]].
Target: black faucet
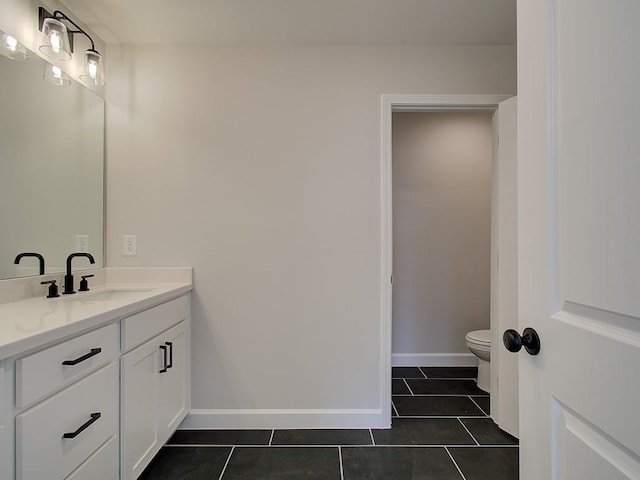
[[31, 254], [68, 278]]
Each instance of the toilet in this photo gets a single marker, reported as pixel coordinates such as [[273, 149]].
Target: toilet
[[479, 342]]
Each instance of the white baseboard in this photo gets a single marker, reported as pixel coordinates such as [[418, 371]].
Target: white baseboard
[[434, 360], [277, 418]]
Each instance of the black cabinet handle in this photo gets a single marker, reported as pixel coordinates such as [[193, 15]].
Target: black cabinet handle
[[84, 426], [92, 353], [164, 358], [170, 345]]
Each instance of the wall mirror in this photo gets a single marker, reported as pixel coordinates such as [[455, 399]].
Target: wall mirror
[[51, 169]]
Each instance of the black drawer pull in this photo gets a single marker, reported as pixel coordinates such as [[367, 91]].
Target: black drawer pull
[[170, 344], [92, 353], [164, 358], [84, 426]]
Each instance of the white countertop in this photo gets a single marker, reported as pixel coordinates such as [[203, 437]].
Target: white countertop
[[34, 322]]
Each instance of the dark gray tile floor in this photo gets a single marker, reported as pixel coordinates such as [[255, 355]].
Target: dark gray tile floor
[[440, 431]]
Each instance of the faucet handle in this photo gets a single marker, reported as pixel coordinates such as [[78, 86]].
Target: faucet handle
[[53, 288], [84, 285]]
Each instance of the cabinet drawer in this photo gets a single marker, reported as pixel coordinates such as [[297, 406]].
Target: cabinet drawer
[[102, 465], [41, 449], [44, 372], [143, 326]]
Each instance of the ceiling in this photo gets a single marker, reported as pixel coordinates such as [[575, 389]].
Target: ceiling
[[360, 22]]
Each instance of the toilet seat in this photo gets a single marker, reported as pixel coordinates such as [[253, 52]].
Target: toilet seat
[[479, 338]]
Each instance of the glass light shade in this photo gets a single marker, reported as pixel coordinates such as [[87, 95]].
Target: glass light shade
[[55, 40], [13, 49], [92, 71], [54, 75]]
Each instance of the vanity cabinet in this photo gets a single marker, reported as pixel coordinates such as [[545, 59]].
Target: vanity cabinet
[[155, 378], [98, 405]]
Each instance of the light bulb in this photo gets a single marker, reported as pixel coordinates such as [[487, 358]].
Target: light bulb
[[92, 71], [54, 75], [54, 38], [11, 43], [11, 48]]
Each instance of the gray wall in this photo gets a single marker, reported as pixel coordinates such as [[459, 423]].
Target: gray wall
[[441, 232], [261, 168]]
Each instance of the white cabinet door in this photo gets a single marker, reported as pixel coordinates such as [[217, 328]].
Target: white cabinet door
[[173, 385], [155, 382], [579, 238], [139, 408]]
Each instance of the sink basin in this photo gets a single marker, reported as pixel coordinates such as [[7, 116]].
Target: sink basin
[[107, 295]]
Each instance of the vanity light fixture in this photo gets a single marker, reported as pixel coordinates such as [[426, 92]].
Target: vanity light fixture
[[54, 74], [11, 48], [57, 42]]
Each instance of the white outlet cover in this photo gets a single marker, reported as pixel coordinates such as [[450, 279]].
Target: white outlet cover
[[129, 247], [82, 243]]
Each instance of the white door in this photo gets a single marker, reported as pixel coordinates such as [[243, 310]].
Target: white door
[[504, 271], [579, 237]]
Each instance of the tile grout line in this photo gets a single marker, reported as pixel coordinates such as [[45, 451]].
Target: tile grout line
[[373, 440], [394, 408], [455, 463], [340, 457], [273, 430], [481, 409], [451, 378], [442, 416], [465, 427], [422, 372], [226, 463], [405, 382], [208, 445], [333, 445], [438, 395]]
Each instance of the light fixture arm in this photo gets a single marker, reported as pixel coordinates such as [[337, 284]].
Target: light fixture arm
[[58, 15]]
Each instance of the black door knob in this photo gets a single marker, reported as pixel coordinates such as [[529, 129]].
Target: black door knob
[[529, 340]]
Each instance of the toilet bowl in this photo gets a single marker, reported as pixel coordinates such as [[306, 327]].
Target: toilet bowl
[[479, 342]]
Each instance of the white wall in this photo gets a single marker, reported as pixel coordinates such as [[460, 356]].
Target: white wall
[[442, 165], [261, 168]]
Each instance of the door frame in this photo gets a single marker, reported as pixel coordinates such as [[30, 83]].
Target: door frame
[[406, 103]]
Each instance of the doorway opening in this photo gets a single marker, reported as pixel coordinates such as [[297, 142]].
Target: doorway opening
[[442, 175], [447, 104]]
